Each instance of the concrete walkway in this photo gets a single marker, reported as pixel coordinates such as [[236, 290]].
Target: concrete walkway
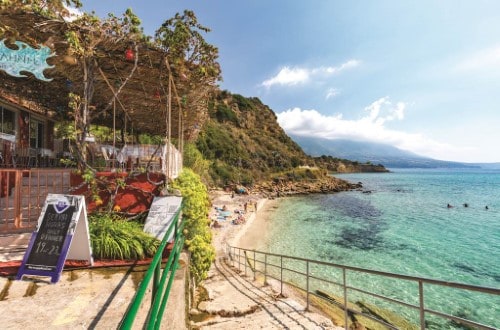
[[94, 298], [236, 301], [98, 299]]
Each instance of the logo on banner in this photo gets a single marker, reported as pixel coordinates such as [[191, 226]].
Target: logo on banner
[[25, 58], [61, 205]]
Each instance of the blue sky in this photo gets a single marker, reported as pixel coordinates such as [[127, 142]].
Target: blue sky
[[423, 76]]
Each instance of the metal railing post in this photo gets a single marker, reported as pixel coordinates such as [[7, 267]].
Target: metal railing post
[[254, 266], [18, 215], [265, 268], [281, 275], [307, 285], [239, 259], [421, 300], [346, 314], [245, 261]]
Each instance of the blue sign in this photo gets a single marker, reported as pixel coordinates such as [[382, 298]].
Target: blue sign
[[25, 58]]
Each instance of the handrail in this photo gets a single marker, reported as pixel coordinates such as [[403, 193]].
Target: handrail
[[265, 267], [159, 293]]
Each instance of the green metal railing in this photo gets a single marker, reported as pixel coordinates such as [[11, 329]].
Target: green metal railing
[[313, 277], [160, 293]]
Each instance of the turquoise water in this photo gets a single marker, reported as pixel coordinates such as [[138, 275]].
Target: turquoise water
[[404, 226]]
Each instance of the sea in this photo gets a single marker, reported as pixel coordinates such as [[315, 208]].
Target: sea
[[400, 222]]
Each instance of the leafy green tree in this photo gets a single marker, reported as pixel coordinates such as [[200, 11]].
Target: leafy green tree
[[193, 64], [53, 8]]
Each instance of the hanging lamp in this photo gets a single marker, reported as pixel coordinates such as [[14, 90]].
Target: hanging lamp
[[129, 55]]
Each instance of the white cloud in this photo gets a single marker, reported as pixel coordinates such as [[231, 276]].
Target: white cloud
[[288, 76], [347, 65], [486, 59], [370, 128], [292, 76], [331, 93]]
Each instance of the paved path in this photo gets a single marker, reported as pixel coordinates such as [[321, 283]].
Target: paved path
[[236, 301], [94, 298]]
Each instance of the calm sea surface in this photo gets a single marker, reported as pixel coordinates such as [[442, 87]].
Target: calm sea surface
[[404, 226]]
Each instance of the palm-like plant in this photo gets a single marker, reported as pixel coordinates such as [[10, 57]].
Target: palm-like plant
[[113, 237]]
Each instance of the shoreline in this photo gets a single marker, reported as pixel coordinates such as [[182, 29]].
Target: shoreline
[[248, 234], [252, 235]]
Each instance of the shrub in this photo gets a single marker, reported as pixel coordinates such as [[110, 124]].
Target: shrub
[[225, 113], [194, 212], [113, 237], [195, 161]]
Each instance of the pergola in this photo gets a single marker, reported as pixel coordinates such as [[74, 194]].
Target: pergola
[[133, 85]]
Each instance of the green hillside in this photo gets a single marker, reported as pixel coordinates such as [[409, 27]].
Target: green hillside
[[241, 142]]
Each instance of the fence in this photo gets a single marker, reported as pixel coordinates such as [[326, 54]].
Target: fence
[[160, 292], [23, 193], [340, 285]]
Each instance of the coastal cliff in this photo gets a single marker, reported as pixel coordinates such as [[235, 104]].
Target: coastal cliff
[[239, 141]]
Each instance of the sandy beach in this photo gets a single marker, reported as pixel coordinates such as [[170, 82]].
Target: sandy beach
[[252, 232]]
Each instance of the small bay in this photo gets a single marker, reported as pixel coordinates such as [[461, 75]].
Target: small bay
[[400, 223]]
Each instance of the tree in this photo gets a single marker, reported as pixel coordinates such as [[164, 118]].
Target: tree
[[193, 63], [52, 8]]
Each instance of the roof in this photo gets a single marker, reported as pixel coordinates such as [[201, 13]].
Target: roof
[[142, 100]]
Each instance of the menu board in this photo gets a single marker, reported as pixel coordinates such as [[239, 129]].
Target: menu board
[[62, 232], [161, 215], [50, 239]]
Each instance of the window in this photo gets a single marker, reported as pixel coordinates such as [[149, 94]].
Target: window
[[7, 121], [36, 133]]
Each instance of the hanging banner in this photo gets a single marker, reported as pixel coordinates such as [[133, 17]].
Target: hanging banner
[[25, 58]]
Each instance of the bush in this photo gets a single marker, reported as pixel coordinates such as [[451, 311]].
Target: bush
[[113, 237], [194, 212], [195, 161], [225, 113]]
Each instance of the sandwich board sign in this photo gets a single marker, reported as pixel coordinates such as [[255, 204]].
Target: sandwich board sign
[[62, 233], [161, 214]]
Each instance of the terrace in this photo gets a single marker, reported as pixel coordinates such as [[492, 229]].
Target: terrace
[[121, 83]]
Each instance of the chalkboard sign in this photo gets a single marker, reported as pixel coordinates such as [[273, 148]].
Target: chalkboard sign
[[50, 239], [62, 232], [161, 214]]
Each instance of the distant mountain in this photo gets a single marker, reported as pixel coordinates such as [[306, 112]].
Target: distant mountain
[[488, 166], [375, 153]]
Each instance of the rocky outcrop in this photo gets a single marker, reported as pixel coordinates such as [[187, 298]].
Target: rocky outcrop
[[281, 187]]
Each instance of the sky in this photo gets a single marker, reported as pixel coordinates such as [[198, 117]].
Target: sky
[[423, 76]]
